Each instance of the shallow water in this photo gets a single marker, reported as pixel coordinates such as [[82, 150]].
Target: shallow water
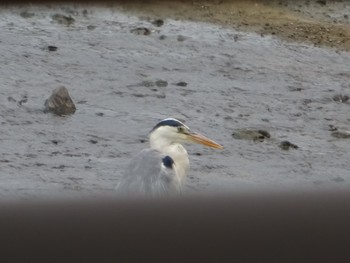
[[235, 80]]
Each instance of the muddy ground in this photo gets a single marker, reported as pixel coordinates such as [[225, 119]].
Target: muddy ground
[[320, 23], [126, 71]]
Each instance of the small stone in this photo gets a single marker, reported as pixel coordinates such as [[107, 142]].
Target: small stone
[[141, 31], [60, 103], [26, 14], [158, 22], [181, 38], [100, 114], [286, 145], [52, 48], [321, 2], [251, 134], [338, 179], [62, 19], [91, 27], [181, 84], [162, 37], [341, 134], [11, 99], [341, 98], [93, 141], [147, 83], [264, 133], [161, 83], [23, 100], [332, 128]]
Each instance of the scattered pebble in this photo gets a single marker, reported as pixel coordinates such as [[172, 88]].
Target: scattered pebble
[[286, 145], [100, 114], [93, 141], [60, 103], [251, 134], [52, 48], [341, 134], [23, 100], [338, 179], [63, 20], [11, 99], [181, 84], [161, 83], [141, 31], [341, 98], [26, 14], [91, 27], [158, 22], [321, 2], [264, 133], [162, 37], [181, 38], [332, 128]]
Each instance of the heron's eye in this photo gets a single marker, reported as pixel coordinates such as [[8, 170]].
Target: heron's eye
[[181, 130]]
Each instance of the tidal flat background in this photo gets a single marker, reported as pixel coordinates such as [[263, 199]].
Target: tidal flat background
[[125, 72]]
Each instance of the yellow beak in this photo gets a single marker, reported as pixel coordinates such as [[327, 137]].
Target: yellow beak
[[198, 138]]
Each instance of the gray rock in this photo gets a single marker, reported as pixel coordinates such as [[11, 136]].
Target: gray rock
[[342, 134], [286, 145], [60, 103], [251, 134], [63, 20]]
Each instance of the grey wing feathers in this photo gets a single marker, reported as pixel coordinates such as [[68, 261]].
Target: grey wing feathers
[[146, 175]]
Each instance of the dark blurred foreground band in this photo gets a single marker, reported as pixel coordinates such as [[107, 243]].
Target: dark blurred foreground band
[[312, 227]]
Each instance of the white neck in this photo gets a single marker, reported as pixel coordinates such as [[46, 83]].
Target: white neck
[[175, 150]]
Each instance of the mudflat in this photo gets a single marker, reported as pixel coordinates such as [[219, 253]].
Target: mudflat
[[279, 104]]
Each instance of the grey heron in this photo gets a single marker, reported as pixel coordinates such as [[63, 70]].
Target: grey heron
[[161, 169]]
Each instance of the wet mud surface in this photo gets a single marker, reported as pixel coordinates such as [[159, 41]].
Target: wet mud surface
[[125, 73]]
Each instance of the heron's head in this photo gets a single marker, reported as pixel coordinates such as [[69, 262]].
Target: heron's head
[[170, 131]]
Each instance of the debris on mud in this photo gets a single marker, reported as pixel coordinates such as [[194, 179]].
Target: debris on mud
[[26, 14], [161, 83], [11, 99], [341, 98], [23, 100], [93, 141], [63, 20], [341, 134], [60, 103], [181, 38], [158, 22], [338, 179], [286, 145], [141, 31], [91, 27], [181, 84], [251, 134], [332, 128], [52, 48]]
